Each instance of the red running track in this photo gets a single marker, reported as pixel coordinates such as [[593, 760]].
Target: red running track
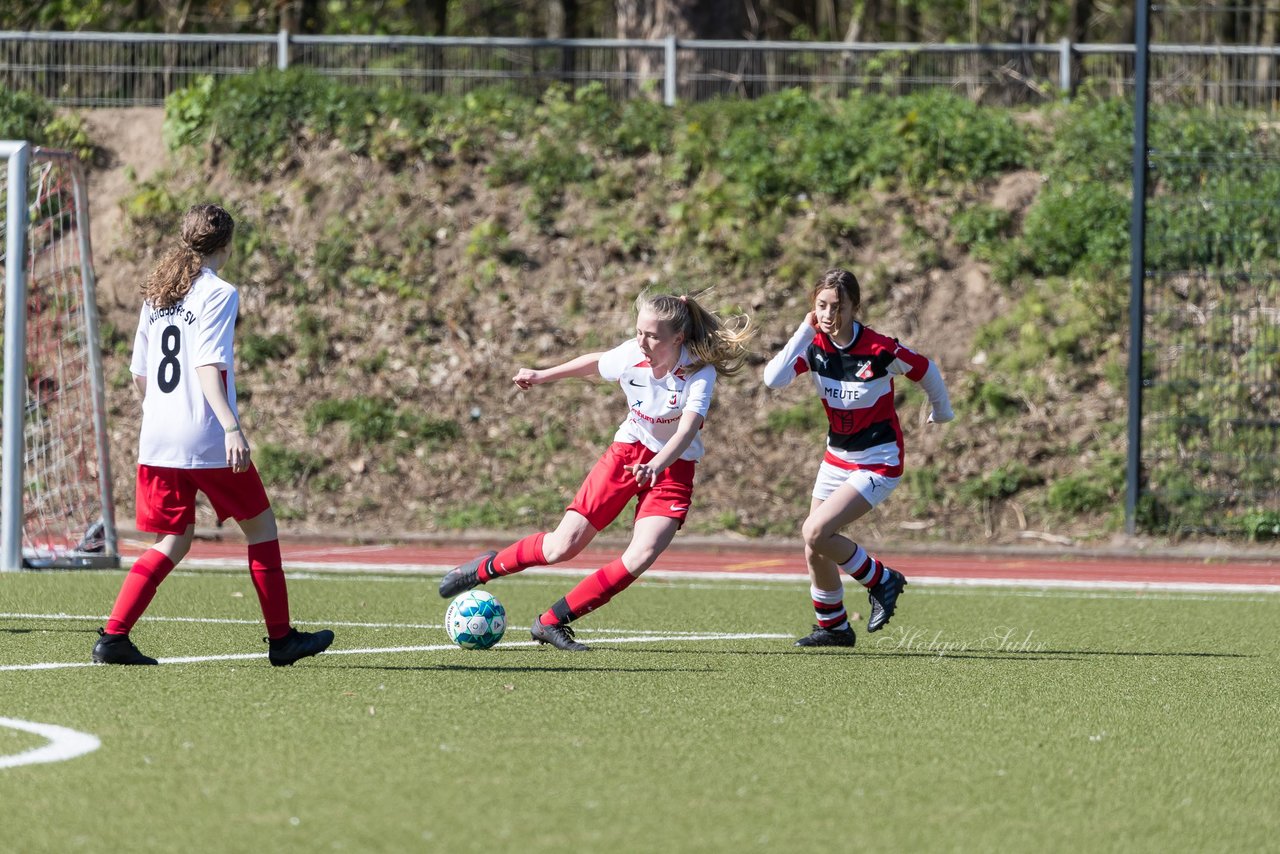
[[753, 561]]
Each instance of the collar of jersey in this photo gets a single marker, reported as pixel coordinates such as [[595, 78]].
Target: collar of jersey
[[857, 332]]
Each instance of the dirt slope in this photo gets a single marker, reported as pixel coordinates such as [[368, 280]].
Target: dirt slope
[[447, 349]]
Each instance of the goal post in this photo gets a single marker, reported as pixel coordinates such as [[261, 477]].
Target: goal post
[[56, 507]]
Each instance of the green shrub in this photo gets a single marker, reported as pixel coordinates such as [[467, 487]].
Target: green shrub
[[1060, 325], [1096, 489], [1261, 525], [922, 484], [1092, 141], [1003, 482], [23, 115], [981, 229], [374, 421], [1175, 502], [936, 134], [994, 397], [255, 350], [1078, 227], [281, 466], [187, 114], [28, 117]]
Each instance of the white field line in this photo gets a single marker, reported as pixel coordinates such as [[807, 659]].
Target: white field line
[[779, 577], [1238, 594], [441, 647], [673, 581], [63, 743]]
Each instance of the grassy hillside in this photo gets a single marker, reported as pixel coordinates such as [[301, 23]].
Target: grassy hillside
[[401, 256]]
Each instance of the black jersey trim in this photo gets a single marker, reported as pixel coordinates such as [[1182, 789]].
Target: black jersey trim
[[879, 433]]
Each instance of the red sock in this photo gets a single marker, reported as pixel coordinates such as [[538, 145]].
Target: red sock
[[517, 556], [266, 567], [591, 592], [138, 590]]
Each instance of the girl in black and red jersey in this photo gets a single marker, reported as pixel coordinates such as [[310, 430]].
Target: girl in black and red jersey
[[668, 373], [853, 369], [191, 440]]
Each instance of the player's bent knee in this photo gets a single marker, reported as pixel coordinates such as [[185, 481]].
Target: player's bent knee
[[814, 532], [557, 548], [636, 564]]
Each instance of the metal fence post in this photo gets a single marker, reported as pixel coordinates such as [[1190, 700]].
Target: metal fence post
[[669, 72], [1137, 267], [282, 50], [1064, 66]]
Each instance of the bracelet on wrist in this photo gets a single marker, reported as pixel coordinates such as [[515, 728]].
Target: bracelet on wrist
[[235, 429]]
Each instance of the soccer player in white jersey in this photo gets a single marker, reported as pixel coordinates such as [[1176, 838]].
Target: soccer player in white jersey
[[668, 373], [192, 440], [853, 369]]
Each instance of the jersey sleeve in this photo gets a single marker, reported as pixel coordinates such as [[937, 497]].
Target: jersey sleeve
[[790, 362], [699, 390], [906, 362], [215, 340], [617, 360], [138, 364]]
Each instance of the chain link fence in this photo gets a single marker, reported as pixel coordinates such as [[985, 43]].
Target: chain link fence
[[1210, 390]]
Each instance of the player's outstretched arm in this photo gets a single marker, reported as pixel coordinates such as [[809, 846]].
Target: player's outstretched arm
[[936, 388], [216, 394], [586, 365], [781, 369]]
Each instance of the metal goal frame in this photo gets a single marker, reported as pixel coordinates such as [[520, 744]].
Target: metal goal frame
[[103, 552]]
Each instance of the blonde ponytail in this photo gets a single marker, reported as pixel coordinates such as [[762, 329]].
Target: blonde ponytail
[[711, 340]]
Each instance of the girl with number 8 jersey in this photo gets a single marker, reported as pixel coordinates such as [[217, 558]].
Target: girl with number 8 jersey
[[191, 440]]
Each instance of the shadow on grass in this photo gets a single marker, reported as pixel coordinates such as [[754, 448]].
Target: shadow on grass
[[63, 629], [479, 668]]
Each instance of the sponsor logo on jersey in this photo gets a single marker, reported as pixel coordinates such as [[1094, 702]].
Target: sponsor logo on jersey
[[844, 393], [635, 413], [175, 311]]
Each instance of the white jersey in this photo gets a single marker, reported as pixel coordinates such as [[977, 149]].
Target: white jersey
[[658, 403], [179, 429]]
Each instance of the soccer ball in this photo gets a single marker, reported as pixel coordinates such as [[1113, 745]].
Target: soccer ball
[[475, 620]]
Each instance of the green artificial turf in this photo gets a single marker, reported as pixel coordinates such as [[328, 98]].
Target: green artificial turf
[[979, 720]]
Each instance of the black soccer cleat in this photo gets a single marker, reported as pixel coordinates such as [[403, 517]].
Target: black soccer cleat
[[884, 599], [464, 577], [829, 637], [558, 635], [296, 645], [118, 649]]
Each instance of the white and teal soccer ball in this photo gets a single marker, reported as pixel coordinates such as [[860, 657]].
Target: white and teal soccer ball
[[475, 620]]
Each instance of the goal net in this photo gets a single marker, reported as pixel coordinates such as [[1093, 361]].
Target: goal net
[[56, 501]]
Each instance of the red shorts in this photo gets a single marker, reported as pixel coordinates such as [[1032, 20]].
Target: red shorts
[[609, 487], [167, 496]]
